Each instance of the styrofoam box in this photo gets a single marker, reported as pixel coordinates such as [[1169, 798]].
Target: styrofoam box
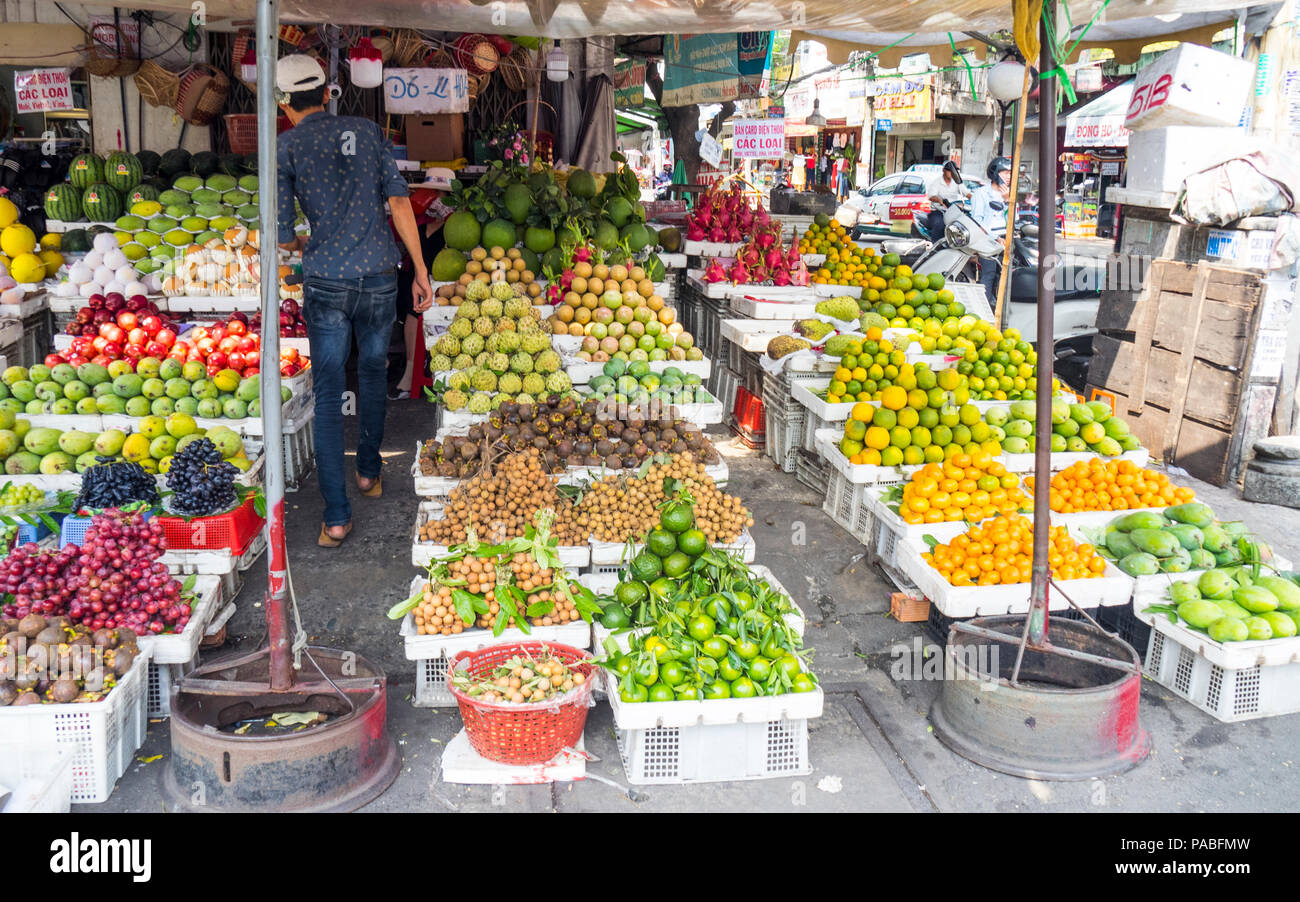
[[1224, 693], [1160, 158], [837, 291], [11, 331], [828, 442], [1024, 463], [39, 775], [583, 372], [432, 654], [1113, 588], [709, 249], [1190, 85], [423, 553], [104, 734], [806, 394], [752, 335], [608, 553], [757, 308], [461, 764], [180, 648]]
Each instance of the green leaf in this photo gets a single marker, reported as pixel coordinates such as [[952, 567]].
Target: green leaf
[[402, 608], [188, 585], [463, 602], [929, 540], [1168, 609]]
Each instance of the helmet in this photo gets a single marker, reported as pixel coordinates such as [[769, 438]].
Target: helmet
[[997, 167], [952, 167]]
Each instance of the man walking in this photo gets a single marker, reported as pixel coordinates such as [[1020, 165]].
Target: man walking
[[340, 170]]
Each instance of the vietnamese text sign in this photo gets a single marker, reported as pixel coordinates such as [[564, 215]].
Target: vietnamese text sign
[[43, 90], [904, 100], [753, 49], [629, 84], [710, 150], [699, 68], [758, 139], [426, 91], [1096, 131]]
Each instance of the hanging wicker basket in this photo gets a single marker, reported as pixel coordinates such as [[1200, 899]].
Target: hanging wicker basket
[[514, 69], [439, 58], [202, 94], [243, 40], [110, 53], [156, 85], [477, 54], [292, 35], [408, 47], [477, 85]]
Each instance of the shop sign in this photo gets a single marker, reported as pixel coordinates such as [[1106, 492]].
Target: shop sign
[[699, 68], [426, 91], [43, 90], [629, 84], [710, 150], [753, 49], [884, 125], [709, 175], [758, 138], [1110, 167], [904, 100], [1101, 131], [776, 111]]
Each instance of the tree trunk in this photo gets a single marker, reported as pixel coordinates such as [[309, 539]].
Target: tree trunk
[[683, 121]]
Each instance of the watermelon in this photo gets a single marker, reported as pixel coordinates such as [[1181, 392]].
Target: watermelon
[[85, 169], [142, 191], [75, 241], [204, 163], [174, 162], [63, 202], [123, 171], [149, 160], [101, 203]]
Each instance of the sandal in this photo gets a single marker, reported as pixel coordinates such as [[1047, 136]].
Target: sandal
[[376, 489], [325, 540]]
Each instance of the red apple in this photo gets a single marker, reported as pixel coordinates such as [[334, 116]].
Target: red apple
[[136, 302], [165, 337], [76, 360], [138, 336], [98, 343], [101, 360], [236, 327], [300, 330], [227, 344], [127, 320], [206, 346], [113, 302], [289, 353], [194, 355], [251, 371], [178, 353], [151, 323], [156, 349], [236, 361], [133, 352], [95, 302], [196, 333], [248, 344], [53, 360], [112, 350], [217, 359]]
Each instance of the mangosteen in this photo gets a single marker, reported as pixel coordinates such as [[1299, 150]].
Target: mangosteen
[[7, 693], [593, 461], [566, 406], [30, 625], [604, 448], [126, 637], [104, 638], [677, 447], [599, 431], [510, 431], [27, 698], [526, 412], [694, 439], [574, 460], [564, 448], [552, 461], [447, 469], [630, 435], [509, 409], [641, 450], [541, 426], [51, 635], [475, 432], [39, 657], [492, 433], [525, 433], [84, 658], [8, 625], [540, 443], [26, 678], [668, 435], [122, 660], [582, 447], [557, 417], [11, 638], [585, 422], [635, 420], [614, 462], [62, 622], [64, 690], [94, 680], [468, 451]]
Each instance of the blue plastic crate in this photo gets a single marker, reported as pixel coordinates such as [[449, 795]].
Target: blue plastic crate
[[73, 529]]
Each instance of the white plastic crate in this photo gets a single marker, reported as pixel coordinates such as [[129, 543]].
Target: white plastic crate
[[712, 754], [1227, 694], [1024, 463], [785, 434], [432, 654], [574, 557], [105, 734], [300, 451], [173, 648], [39, 775], [846, 504], [162, 677], [723, 386]]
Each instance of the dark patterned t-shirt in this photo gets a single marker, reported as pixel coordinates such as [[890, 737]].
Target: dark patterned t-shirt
[[341, 170]]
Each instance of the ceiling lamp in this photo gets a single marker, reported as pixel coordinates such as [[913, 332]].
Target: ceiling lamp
[[367, 64], [248, 65], [1007, 81], [557, 65]]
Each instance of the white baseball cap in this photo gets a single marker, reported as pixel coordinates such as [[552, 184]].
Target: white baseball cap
[[298, 72], [437, 178]]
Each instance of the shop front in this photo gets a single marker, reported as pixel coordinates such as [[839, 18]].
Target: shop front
[[906, 130], [1096, 150]]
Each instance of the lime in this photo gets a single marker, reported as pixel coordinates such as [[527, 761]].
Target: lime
[[677, 517], [660, 542], [676, 564], [631, 593], [646, 566], [692, 542]]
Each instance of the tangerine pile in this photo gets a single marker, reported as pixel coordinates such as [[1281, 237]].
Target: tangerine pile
[[970, 487], [1112, 485], [823, 238], [1001, 551]]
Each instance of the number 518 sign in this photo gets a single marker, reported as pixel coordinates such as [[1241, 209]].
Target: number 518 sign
[[1149, 96]]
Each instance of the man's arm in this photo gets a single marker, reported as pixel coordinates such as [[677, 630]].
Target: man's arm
[[409, 232], [286, 236]]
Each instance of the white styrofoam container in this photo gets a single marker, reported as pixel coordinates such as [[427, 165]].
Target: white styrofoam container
[[609, 553], [709, 249], [767, 308], [461, 764], [828, 446], [180, 648], [104, 734], [1024, 463], [806, 394], [39, 775], [573, 557], [1227, 694], [1160, 158], [1113, 588], [837, 291], [1190, 85], [582, 372], [753, 334], [717, 753]]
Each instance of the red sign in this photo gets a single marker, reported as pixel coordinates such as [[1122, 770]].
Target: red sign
[[43, 90], [1148, 97]]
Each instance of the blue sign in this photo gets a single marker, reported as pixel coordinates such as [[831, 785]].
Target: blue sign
[[884, 125]]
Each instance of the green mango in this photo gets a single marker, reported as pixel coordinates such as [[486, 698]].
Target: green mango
[[1286, 592], [1281, 623], [1193, 513], [1139, 563], [1228, 557], [1199, 614], [1258, 628], [1180, 593], [1229, 629], [1155, 541], [1140, 520], [1188, 536], [1255, 599], [1119, 544], [1178, 562], [1235, 528], [1202, 560], [1232, 609], [1215, 539]]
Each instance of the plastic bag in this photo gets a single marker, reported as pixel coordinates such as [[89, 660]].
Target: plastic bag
[[1259, 184]]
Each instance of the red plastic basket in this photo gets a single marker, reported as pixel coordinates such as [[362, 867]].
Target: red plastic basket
[[241, 131], [527, 733], [233, 530]]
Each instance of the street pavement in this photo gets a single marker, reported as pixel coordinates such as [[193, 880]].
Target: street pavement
[[872, 750]]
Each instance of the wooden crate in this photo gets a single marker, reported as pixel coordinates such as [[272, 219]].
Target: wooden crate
[[1178, 357]]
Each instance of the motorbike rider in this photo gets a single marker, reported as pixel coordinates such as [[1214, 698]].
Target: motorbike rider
[[989, 208], [944, 189]]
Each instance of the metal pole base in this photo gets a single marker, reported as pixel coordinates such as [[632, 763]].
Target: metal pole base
[[339, 765], [1067, 719]]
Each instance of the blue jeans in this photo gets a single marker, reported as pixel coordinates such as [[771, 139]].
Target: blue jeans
[[335, 310], [990, 270]]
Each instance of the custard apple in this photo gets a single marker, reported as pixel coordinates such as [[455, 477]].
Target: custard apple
[[559, 382], [463, 361], [460, 327], [510, 383], [473, 344], [476, 291], [439, 363], [523, 398], [480, 402], [484, 380], [454, 399], [491, 307], [484, 326], [481, 359], [534, 383], [447, 344], [521, 362], [493, 343], [508, 342], [517, 307], [459, 380], [547, 362], [502, 291], [467, 310], [534, 344], [498, 399], [498, 362], [506, 325]]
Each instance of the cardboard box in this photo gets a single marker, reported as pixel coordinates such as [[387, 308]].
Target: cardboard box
[[1190, 85], [435, 137]]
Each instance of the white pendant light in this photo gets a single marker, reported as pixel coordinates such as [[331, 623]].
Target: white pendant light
[[557, 65], [248, 65], [1006, 80], [366, 64]]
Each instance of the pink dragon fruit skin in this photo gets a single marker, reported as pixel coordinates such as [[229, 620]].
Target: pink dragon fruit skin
[[582, 255], [799, 274], [739, 273], [774, 259], [715, 271], [781, 278], [717, 235]]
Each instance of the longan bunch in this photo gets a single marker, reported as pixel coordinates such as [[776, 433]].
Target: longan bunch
[[436, 615], [618, 508], [502, 503]]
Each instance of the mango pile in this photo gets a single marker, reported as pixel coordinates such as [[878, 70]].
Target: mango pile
[[1233, 606], [1181, 538]]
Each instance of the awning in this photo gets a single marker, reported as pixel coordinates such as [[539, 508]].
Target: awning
[[1100, 123]]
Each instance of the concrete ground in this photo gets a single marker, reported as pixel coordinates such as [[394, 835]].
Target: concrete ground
[[872, 750]]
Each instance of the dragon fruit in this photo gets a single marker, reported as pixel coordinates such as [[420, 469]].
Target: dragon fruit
[[739, 273], [774, 259], [717, 234], [696, 232], [715, 271], [582, 255], [799, 275]]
